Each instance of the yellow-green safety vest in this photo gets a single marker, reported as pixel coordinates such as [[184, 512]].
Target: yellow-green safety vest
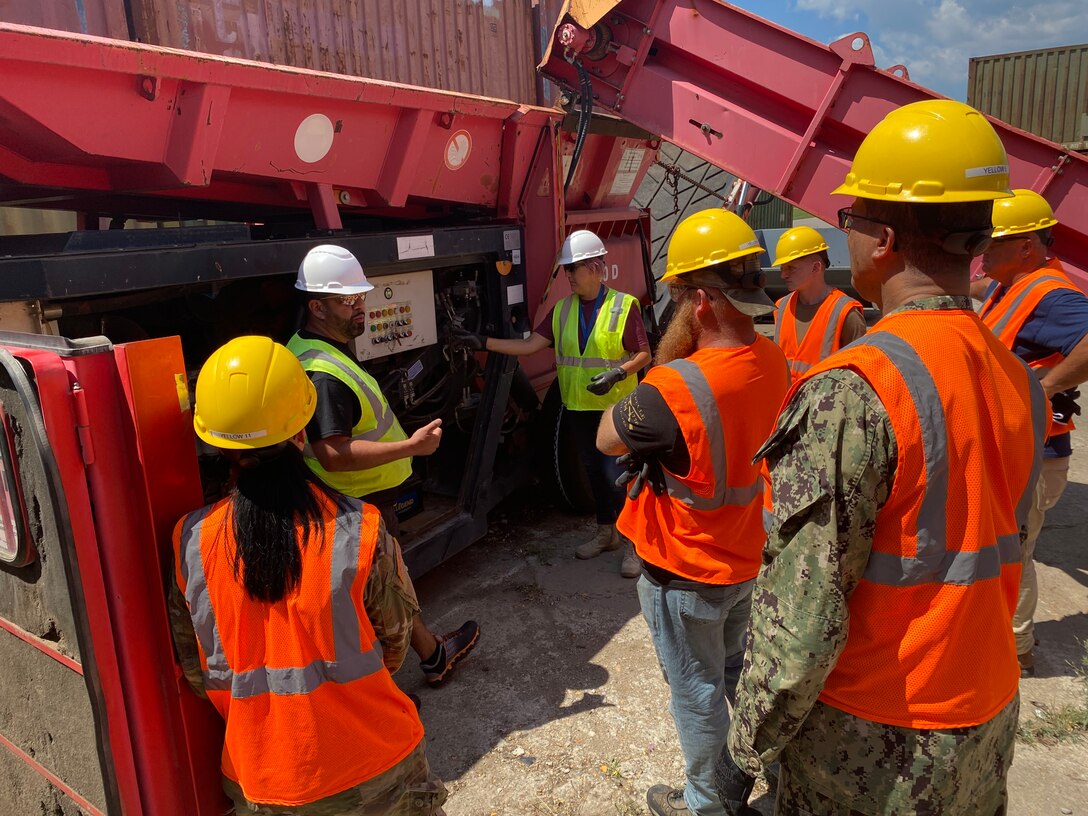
[[604, 351], [376, 423]]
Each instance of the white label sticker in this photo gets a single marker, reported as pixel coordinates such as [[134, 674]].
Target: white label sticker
[[515, 256], [415, 246], [415, 370], [627, 171], [511, 239], [992, 170], [515, 295]]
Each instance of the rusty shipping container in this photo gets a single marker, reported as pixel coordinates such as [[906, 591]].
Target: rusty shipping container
[[485, 47], [102, 18], [1044, 92]]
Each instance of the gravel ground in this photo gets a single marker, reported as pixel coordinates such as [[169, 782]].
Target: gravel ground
[[562, 708]]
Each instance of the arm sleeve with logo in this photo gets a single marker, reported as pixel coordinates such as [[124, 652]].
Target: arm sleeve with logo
[[646, 425], [389, 599], [831, 460]]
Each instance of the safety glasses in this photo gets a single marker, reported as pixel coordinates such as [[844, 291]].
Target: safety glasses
[[348, 300], [847, 219]]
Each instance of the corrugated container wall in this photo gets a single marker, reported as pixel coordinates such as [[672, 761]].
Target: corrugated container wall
[[102, 18], [485, 47], [1043, 92]]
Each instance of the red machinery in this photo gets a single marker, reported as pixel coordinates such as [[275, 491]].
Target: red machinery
[[780, 110]]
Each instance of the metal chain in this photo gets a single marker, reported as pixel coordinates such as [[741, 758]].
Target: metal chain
[[675, 175]]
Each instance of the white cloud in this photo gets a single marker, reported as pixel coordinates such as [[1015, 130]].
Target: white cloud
[[935, 38]]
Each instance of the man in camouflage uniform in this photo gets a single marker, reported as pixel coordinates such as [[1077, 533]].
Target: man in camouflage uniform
[[833, 461]]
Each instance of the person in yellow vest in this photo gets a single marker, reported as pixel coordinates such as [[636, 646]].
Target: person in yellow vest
[[880, 669], [1037, 312], [815, 319], [354, 442], [699, 531], [291, 609], [600, 344]]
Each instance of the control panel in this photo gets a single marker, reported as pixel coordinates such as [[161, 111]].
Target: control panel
[[400, 315]]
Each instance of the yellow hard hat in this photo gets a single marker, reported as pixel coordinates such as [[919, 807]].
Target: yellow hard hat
[[252, 393], [1026, 211], [707, 238], [932, 152], [797, 243]]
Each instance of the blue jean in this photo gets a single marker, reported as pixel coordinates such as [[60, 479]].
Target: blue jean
[[699, 639], [601, 468]]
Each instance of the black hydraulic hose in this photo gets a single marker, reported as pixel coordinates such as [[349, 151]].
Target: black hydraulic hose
[[585, 113]]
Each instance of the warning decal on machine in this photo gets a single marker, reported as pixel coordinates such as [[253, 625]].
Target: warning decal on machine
[[627, 171]]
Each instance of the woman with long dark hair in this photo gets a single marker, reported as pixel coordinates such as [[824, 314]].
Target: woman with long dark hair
[[291, 608]]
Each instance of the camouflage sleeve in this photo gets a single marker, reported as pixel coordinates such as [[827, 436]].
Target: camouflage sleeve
[[831, 460], [181, 625], [390, 600]]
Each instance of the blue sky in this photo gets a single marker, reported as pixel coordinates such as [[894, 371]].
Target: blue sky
[[935, 38]]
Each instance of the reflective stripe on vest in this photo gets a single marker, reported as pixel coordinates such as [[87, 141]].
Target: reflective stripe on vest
[[1013, 306], [350, 664], [321, 356], [378, 407], [603, 351], [935, 562], [707, 406], [831, 329]]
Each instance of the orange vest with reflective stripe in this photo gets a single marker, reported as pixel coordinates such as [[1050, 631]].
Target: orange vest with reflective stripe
[[930, 641], [310, 708], [1007, 317], [823, 337], [708, 527]]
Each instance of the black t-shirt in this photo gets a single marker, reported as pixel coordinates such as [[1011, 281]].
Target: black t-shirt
[[647, 426], [338, 409]]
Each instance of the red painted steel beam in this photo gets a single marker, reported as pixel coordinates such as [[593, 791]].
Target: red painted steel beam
[[771, 106], [90, 114]]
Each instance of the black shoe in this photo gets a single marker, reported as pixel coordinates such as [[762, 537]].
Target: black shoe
[[453, 648], [666, 801]]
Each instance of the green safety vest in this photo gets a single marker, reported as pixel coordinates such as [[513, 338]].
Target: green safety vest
[[376, 423], [604, 351]]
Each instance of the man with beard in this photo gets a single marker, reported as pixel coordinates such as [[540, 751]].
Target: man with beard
[[880, 669], [690, 430], [600, 344], [354, 442]]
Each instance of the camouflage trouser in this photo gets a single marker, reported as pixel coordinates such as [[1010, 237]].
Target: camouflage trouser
[[407, 789], [840, 765]]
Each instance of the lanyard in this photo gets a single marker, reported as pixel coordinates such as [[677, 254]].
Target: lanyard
[[585, 329]]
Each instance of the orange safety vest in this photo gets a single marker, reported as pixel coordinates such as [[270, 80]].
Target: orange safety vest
[[708, 526], [310, 708], [930, 640], [824, 334], [1007, 317]]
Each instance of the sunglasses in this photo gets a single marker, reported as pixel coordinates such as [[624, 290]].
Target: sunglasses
[[347, 300], [847, 219]]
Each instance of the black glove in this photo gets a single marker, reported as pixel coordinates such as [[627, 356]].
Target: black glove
[[637, 473], [469, 340], [1063, 405], [602, 383], [734, 786]]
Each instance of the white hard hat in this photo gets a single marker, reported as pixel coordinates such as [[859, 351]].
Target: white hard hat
[[581, 245], [332, 269]]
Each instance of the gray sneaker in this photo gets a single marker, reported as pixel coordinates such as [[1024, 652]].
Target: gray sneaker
[[666, 801]]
